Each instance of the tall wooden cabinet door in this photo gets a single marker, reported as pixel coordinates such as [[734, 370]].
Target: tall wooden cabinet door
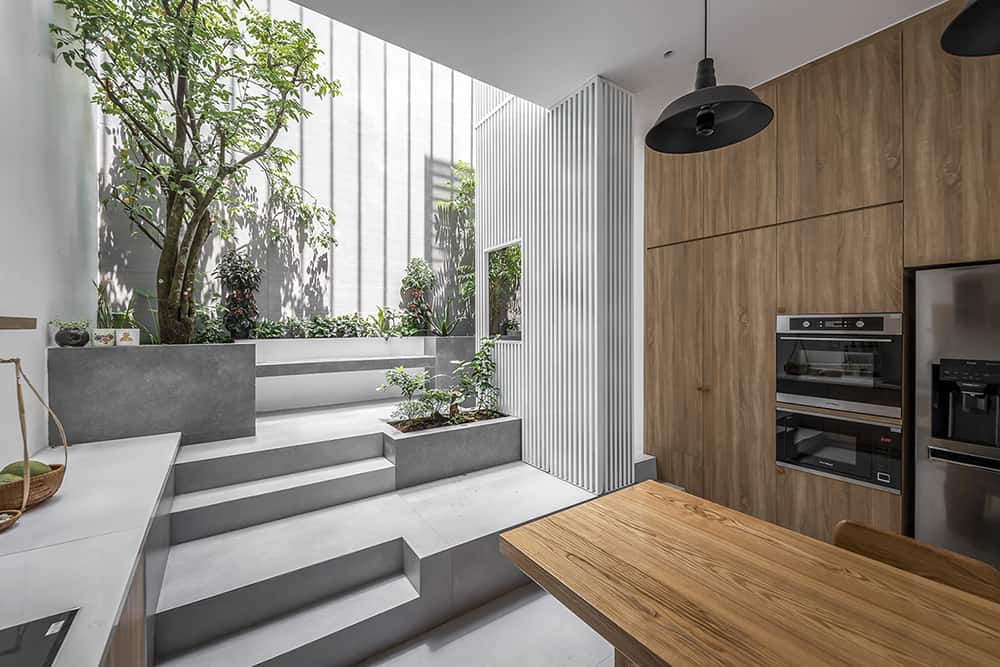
[[673, 363], [739, 277], [844, 263], [840, 136], [952, 166], [674, 198], [813, 505], [742, 179]]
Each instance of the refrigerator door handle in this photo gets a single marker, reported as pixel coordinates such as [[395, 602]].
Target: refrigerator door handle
[[935, 453], [959, 447]]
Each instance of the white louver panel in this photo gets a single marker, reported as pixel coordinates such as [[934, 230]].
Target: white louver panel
[[559, 181]]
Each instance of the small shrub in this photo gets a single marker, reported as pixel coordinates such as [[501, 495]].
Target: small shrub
[[210, 326], [407, 384], [477, 376], [240, 280], [270, 329]]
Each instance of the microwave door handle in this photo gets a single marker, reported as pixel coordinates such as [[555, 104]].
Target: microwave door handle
[[838, 339]]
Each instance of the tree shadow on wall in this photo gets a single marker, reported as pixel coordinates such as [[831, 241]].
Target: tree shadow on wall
[[296, 274], [451, 246]]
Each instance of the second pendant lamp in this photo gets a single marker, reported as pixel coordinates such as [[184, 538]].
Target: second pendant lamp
[[710, 117]]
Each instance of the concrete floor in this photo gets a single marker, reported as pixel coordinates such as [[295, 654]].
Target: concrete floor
[[525, 628]]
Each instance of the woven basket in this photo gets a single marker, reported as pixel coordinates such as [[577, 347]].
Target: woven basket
[[16, 497], [42, 488]]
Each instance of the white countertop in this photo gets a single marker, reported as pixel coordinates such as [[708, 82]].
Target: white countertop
[[80, 548]]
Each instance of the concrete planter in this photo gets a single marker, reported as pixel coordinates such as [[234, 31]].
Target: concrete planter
[[204, 391], [425, 456]]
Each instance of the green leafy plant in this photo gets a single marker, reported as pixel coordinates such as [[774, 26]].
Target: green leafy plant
[[504, 267], [383, 323], [417, 282], [455, 230], [477, 377], [269, 329], [125, 318], [69, 324], [210, 325], [240, 279], [292, 327], [153, 332], [202, 91], [444, 324], [105, 317], [407, 383], [338, 326]]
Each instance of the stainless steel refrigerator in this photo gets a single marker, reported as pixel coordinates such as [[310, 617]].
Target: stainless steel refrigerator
[[957, 410]]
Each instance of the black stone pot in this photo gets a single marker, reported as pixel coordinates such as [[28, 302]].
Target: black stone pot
[[72, 337]]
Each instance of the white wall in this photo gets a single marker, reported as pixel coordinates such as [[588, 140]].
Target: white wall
[[48, 194]]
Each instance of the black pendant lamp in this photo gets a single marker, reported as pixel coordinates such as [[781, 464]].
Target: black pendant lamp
[[711, 117], [975, 31]]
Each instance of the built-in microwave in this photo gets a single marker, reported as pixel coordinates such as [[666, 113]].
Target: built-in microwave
[[841, 362], [856, 449]]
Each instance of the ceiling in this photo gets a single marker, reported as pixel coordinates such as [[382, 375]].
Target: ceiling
[[543, 50]]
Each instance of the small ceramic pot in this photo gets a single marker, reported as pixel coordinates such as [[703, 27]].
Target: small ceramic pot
[[103, 337], [126, 336], [72, 337]]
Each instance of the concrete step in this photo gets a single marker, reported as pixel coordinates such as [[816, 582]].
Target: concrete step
[[208, 512], [337, 631], [343, 365], [286, 442], [185, 622]]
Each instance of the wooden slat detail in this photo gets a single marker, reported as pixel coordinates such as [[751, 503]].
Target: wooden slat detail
[[739, 283], [673, 363], [952, 174], [840, 134], [18, 323], [669, 578], [845, 263], [813, 505]]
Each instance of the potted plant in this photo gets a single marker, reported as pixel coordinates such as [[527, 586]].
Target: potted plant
[[71, 333], [126, 327]]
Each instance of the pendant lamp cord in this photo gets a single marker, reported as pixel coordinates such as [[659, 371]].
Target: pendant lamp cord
[[705, 40]]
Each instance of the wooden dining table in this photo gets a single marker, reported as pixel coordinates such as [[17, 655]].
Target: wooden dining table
[[672, 579]]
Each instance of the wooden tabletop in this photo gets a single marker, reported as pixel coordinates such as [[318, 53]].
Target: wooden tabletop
[[672, 579]]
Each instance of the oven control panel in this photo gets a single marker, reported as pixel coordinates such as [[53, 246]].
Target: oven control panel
[[820, 323]]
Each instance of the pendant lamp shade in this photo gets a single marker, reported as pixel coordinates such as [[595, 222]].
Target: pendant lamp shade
[[711, 116], [975, 31]]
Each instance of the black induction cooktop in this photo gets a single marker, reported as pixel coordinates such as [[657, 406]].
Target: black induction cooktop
[[35, 643]]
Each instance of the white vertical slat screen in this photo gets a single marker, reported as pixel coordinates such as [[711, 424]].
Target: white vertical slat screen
[[559, 182]]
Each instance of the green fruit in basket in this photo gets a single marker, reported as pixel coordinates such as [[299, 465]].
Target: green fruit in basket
[[17, 468], [7, 477]]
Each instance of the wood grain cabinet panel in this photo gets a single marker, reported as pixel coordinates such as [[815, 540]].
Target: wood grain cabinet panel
[[844, 263], [741, 180], [952, 156], [127, 646], [673, 363], [840, 136], [674, 198], [813, 505], [739, 283]]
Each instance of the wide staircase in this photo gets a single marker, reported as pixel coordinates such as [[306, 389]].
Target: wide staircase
[[294, 546]]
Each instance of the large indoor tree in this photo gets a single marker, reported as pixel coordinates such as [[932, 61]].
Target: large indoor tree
[[202, 90]]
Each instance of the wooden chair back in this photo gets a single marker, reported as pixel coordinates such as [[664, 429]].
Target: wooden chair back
[[947, 567]]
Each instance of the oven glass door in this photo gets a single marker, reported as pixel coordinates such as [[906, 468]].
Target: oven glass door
[[840, 371], [822, 443]]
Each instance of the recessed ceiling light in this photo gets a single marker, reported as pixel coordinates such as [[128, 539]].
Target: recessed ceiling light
[[668, 53]]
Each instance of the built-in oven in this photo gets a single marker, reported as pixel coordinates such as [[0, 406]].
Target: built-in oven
[[841, 362], [856, 449]]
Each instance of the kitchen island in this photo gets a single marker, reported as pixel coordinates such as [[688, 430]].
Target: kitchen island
[[672, 579]]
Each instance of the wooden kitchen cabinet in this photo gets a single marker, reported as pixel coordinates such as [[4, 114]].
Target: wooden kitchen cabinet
[[127, 647], [840, 137], [739, 403], [844, 263], [951, 170], [813, 505], [673, 363], [741, 180], [674, 198]]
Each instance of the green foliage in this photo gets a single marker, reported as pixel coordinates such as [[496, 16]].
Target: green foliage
[[292, 327], [455, 229], [477, 376], [383, 323], [202, 91], [269, 329], [407, 384], [210, 325], [412, 409], [437, 399], [338, 326], [417, 281], [69, 324], [240, 279], [418, 276], [504, 267], [105, 318], [444, 324], [153, 334]]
